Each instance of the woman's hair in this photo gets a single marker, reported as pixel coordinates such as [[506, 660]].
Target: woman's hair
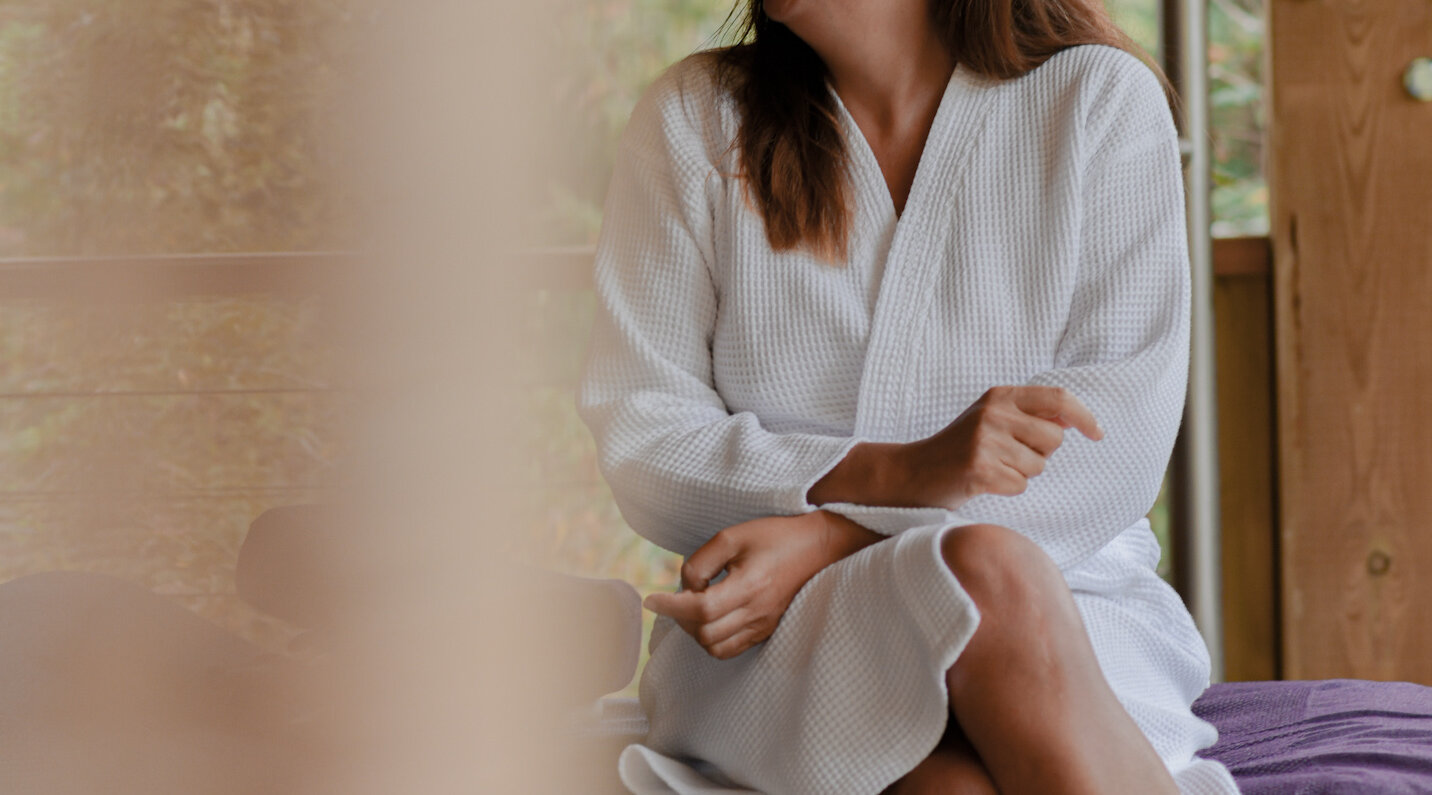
[[792, 155]]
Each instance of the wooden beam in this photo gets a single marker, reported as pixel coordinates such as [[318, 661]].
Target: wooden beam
[[170, 276], [108, 279], [1242, 256], [1243, 333]]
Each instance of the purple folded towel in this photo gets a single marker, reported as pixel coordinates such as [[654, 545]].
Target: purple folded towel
[[1322, 737]]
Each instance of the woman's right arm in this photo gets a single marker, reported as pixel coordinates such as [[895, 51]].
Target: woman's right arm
[[994, 447], [681, 466]]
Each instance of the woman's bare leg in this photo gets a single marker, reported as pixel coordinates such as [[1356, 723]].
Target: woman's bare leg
[[953, 768], [1027, 690]]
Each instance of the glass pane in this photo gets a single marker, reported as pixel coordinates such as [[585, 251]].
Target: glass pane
[[620, 46], [147, 126], [1236, 33], [1139, 19]]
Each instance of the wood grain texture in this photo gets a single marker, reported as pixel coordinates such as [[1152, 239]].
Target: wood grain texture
[[1242, 256], [1351, 183], [1243, 331]]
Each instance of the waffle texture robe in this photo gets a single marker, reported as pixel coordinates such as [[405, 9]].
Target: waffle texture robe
[[1043, 242]]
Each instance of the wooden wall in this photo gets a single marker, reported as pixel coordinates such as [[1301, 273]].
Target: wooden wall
[[1351, 189]]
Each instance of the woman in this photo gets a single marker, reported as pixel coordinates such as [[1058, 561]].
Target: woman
[[892, 345]]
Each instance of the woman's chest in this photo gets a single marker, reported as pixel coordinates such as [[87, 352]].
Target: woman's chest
[[926, 314]]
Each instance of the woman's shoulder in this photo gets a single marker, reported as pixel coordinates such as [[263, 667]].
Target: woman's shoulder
[[1111, 91], [698, 75], [1099, 69], [687, 109]]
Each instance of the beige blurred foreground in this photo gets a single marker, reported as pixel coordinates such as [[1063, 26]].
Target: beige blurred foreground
[[443, 671]]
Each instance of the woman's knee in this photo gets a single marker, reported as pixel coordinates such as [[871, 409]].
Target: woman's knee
[[997, 565], [1027, 614]]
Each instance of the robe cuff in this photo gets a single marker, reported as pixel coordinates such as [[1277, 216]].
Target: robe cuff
[[893, 521], [822, 454]]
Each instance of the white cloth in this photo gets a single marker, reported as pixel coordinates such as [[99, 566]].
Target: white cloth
[[1043, 242]]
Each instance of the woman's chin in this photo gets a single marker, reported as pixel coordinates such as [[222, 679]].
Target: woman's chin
[[780, 10]]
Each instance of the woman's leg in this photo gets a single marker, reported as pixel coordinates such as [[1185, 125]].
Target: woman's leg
[[1027, 690], [953, 768]]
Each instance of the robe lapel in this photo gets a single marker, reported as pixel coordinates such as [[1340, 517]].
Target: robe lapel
[[917, 254]]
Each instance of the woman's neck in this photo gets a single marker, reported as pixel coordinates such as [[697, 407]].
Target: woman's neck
[[887, 63]]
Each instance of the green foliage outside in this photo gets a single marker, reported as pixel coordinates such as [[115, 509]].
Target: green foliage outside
[[1236, 30]]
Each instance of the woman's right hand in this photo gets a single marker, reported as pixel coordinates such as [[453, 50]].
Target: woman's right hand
[[994, 447], [998, 443]]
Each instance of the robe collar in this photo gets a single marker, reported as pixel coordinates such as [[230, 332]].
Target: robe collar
[[916, 251]]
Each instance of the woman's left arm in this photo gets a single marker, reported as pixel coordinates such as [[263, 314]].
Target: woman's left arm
[[767, 561], [1124, 352]]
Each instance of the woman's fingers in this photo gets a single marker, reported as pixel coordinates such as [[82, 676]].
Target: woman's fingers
[[723, 628], [1058, 404], [694, 608], [682, 606], [708, 617], [1037, 434], [1019, 457], [705, 563], [724, 619], [739, 642], [1008, 482]]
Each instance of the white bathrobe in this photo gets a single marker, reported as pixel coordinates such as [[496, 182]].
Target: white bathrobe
[[1043, 242]]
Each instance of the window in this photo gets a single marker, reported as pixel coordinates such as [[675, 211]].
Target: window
[[140, 436], [1235, 71]]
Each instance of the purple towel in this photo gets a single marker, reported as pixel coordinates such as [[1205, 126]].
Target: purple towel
[[1322, 737]]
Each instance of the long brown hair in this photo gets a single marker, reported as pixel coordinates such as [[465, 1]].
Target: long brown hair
[[792, 155]]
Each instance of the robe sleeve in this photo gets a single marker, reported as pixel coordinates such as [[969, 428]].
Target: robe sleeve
[[680, 464], [1125, 349]]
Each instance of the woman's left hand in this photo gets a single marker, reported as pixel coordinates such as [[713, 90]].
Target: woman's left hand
[[766, 561]]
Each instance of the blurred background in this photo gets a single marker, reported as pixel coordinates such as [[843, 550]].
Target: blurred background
[[140, 438], [165, 127]]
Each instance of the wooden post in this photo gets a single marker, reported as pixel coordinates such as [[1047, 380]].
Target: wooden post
[[1242, 310], [1351, 183]]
